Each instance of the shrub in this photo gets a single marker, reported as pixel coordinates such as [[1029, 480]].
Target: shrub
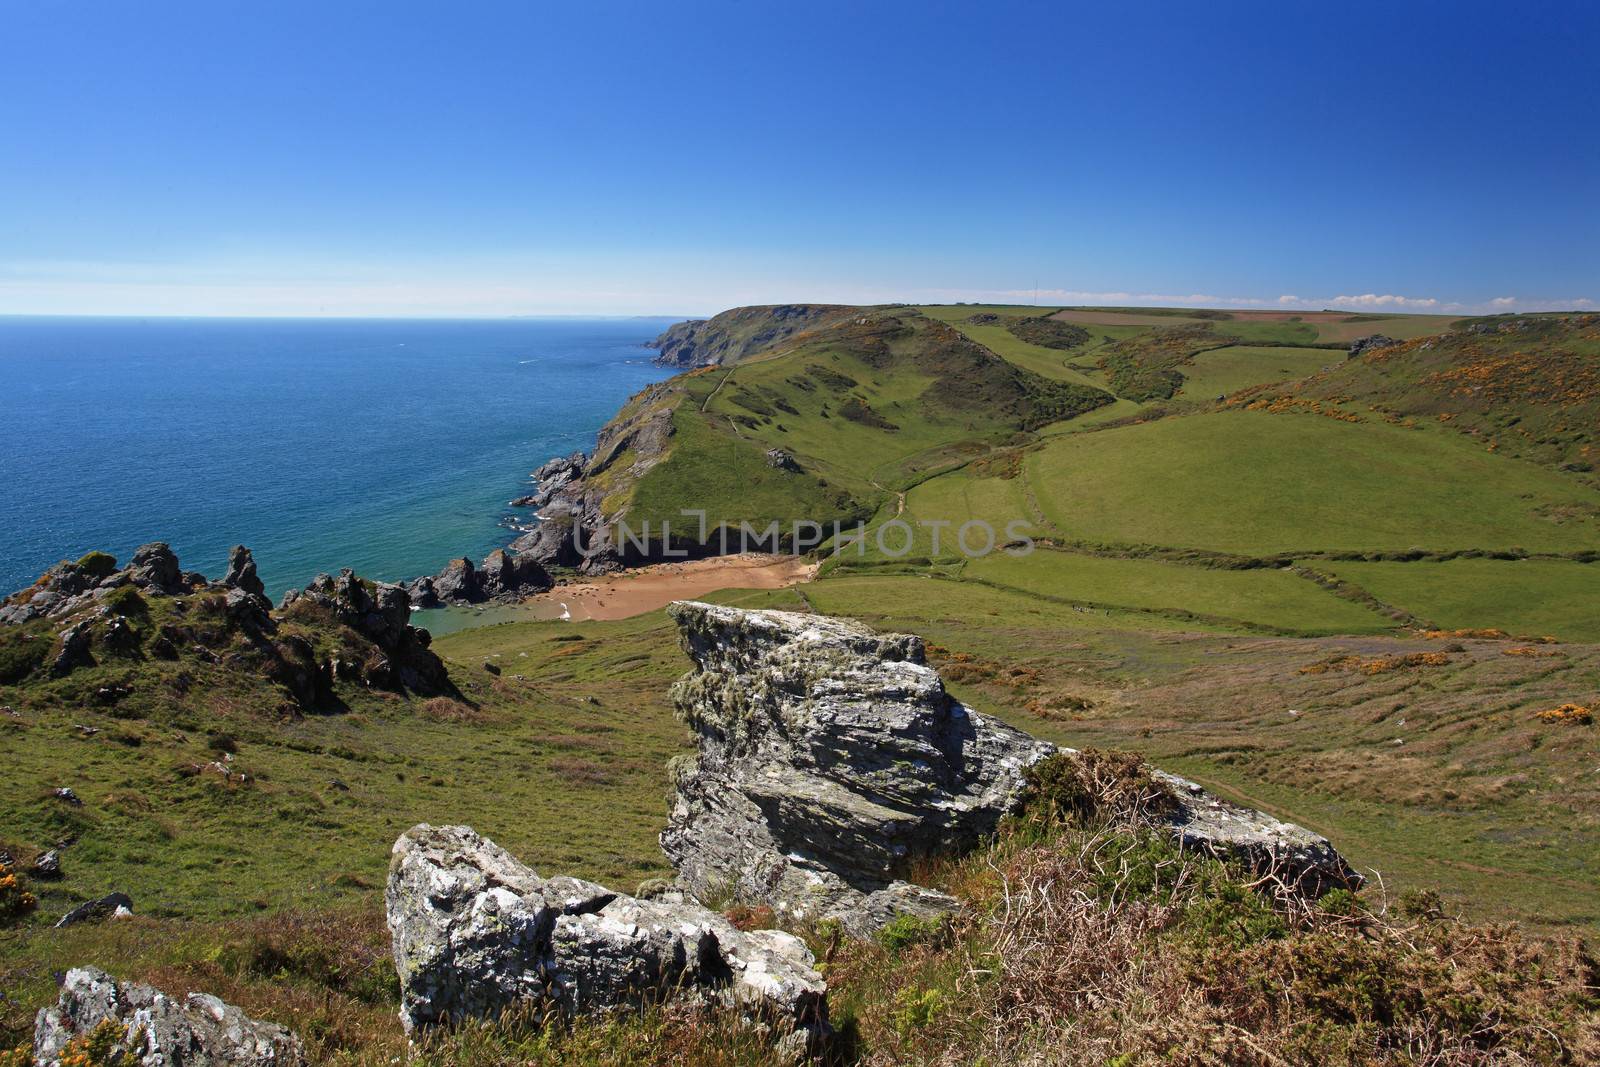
[[125, 600], [907, 930], [97, 564], [21, 653], [1077, 788], [15, 899]]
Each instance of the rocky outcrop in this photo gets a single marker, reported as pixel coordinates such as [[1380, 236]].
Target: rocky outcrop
[[476, 932], [380, 613], [831, 760], [1362, 345], [779, 459], [69, 588], [155, 1030], [242, 572], [574, 528], [728, 337], [503, 577]]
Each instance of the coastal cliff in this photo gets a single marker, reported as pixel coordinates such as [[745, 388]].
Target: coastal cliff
[[732, 335]]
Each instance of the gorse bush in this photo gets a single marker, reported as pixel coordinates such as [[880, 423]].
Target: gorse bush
[[15, 898]]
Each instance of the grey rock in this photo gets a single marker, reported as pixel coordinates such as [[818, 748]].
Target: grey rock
[[242, 572], [1297, 860], [459, 583], [158, 1030], [1362, 345], [74, 652], [47, 865], [830, 758], [155, 567], [67, 794], [120, 637], [476, 932], [93, 911], [250, 611], [778, 459], [507, 576]]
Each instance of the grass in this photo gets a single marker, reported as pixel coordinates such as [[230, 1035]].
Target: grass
[[1257, 483], [1274, 599], [1532, 596], [1225, 371]]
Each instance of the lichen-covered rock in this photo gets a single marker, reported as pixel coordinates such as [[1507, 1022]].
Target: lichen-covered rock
[[476, 932], [831, 759], [158, 1030], [1299, 860]]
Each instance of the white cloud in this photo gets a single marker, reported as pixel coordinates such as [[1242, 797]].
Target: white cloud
[[1390, 301]]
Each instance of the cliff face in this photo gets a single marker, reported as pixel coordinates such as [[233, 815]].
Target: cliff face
[[732, 335], [577, 495]]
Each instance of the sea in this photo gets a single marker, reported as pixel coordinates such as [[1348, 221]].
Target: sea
[[387, 446]]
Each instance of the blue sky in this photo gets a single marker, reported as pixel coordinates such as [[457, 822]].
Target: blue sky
[[353, 158]]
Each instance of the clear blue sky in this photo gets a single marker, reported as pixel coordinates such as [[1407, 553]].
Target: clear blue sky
[[501, 158]]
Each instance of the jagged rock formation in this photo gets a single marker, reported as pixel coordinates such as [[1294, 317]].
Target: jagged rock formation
[[101, 612], [242, 571], [831, 760], [476, 932], [503, 577], [381, 614], [157, 1030]]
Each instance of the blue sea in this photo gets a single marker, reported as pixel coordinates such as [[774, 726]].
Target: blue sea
[[389, 446]]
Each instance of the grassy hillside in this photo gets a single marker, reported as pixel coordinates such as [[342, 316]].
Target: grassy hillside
[[1525, 385], [1256, 483], [1288, 597]]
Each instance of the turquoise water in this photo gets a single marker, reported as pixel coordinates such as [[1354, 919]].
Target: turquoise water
[[384, 445]]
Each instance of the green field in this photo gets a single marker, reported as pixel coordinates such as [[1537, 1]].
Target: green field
[[1225, 371], [1534, 596], [1255, 483], [1273, 599]]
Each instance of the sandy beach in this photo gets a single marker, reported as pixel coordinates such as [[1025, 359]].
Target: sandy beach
[[632, 592]]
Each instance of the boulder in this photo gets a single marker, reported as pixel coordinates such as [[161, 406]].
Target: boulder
[[831, 759], [477, 932], [1362, 345], [46, 866], [778, 459], [249, 611], [106, 907], [242, 572], [157, 1030]]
